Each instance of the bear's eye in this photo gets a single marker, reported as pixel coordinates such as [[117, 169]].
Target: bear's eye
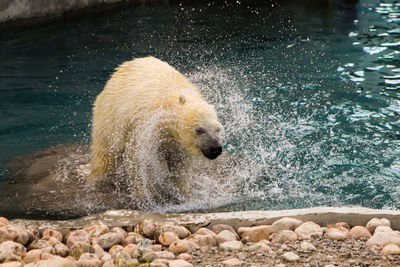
[[200, 130]]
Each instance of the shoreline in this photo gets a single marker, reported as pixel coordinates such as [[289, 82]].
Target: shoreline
[[320, 215]]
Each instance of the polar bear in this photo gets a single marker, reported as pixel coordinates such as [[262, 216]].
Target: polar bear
[[147, 106]]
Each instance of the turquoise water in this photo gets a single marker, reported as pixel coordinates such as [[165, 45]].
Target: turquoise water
[[310, 93]]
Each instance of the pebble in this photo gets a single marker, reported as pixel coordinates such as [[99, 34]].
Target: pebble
[[231, 245], [108, 240], [221, 227], [391, 249], [384, 238], [181, 231], [146, 228], [182, 246], [359, 232], [12, 264], [225, 235], [167, 238], [14, 233], [77, 236], [308, 230], [185, 256], [233, 262], [285, 223], [307, 246], [285, 235], [375, 222], [179, 263], [52, 233], [204, 240], [254, 234], [335, 234], [4, 221], [79, 248], [290, 256]]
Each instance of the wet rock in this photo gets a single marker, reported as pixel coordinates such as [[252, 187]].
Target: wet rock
[[147, 228], [375, 222], [285, 235], [233, 262], [290, 256], [52, 233], [108, 240], [335, 234], [254, 234], [54, 262], [61, 250], [231, 245], [179, 263], [391, 249], [308, 230], [224, 236], [96, 229], [285, 223], [359, 232], [221, 227], [79, 248], [14, 233], [185, 257], [203, 240], [183, 246], [76, 236], [181, 231], [384, 238], [307, 246], [167, 238]]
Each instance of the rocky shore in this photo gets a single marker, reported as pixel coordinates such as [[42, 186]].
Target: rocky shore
[[285, 242]]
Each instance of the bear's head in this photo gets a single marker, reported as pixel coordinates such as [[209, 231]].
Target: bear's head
[[199, 129]]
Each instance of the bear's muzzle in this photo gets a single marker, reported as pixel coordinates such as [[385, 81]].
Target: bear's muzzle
[[213, 150]]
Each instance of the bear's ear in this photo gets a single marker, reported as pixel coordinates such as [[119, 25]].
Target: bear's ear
[[182, 99]]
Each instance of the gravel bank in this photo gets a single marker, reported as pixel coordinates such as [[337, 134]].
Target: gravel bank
[[284, 242]]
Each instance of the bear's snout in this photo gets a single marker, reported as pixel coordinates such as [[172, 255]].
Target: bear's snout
[[213, 150]]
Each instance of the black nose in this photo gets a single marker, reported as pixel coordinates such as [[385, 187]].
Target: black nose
[[213, 152]]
